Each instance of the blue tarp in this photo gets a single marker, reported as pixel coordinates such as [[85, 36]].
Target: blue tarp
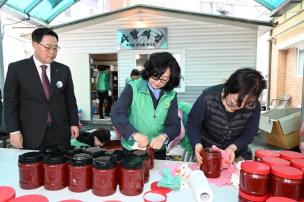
[[42, 10], [271, 4]]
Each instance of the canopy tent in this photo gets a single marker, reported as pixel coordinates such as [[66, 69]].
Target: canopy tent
[[278, 7], [43, 11]]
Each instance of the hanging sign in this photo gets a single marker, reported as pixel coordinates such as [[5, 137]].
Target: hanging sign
[[142, 38]]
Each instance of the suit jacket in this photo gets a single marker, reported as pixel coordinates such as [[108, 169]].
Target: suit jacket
[[26, 106]]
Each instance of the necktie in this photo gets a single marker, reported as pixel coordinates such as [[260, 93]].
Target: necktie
[[45, 81], [46, 87]]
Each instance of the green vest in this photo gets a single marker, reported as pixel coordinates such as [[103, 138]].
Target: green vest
[[142, 115], [103, 81]]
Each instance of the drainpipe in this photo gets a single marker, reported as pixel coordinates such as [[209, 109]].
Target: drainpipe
[[269, 72]]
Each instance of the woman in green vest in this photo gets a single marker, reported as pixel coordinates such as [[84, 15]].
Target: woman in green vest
[[146, 111]]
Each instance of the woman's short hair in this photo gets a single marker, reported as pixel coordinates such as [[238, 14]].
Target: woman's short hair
[[135, 72], [245, 81], [156, 66]]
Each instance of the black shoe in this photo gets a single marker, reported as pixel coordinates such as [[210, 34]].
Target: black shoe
[[101, 117], [107, 115]]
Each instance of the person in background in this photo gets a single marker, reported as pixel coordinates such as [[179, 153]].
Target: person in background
[[227, 115], [40, 107], [103, 87], [134, 75], [98, 137], [146, 111]]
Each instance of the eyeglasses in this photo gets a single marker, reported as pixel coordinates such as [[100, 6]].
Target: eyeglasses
[[233, 104], [49, 47], [163, 81]]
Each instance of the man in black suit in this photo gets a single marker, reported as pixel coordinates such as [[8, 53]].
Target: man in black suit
[[40, 107]]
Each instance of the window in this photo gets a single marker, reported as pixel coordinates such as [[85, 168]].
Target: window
[[300, 62], [140, 56]]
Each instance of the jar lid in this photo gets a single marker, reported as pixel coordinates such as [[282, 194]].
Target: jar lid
[[30, 198], [50, 149], [162, 190], [132, 163], [54, 158], [116, 154], [71, 200], [252, 198], [297, 163], [7, 193], [95, 151], [73, 150], [143, 154], [104, 162], [255, 167], [30, 157], [275, 161], [288, 155], [279, 199], [287, 172], [260, 153], [80, 159]]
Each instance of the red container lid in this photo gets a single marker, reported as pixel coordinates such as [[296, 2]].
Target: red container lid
[[252, 198], [287, 172], [260, 153], [162, 190], [288, 155], [7, 193], [275, 161], [255, 167], [30, 198], [297, 163], [279, 199]]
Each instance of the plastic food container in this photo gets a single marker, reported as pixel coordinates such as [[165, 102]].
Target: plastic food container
[[104, 176], [286, 181], [243, 197], [261, 153], [212, 162], [255, 178], [131, 177], [80, 172], [30, 170]]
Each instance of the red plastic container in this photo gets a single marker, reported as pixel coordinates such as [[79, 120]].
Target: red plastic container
[[243, 197], [279, 199], [261, 153], [131, 178], [212, 162], [7, 193], [275, 161], [297, 163], [55, 171], [151, 156], [144, 156], [255, 178], [30, 170], [104, 181], [286, 181], [288, 155], [80, 172], [30, 198]]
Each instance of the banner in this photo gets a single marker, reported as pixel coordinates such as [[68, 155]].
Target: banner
[[142, 38]]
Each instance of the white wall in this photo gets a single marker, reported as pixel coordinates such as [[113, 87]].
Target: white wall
[[79, 65], [213, 48]]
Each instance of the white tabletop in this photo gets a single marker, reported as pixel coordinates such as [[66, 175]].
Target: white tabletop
[[9, 176]]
